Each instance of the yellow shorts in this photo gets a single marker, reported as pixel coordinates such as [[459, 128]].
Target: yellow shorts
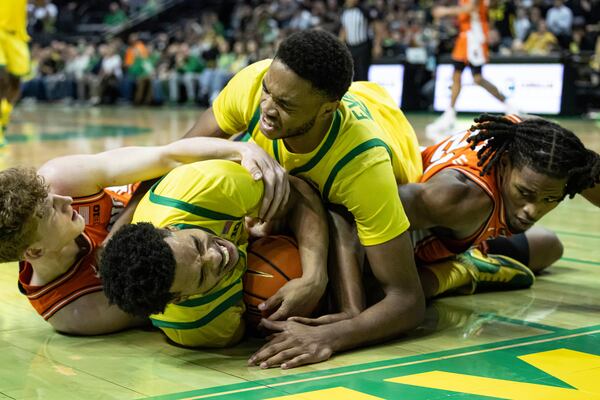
[[14, 54]]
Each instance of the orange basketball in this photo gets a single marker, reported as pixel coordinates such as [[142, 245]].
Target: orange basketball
[[272, 261]]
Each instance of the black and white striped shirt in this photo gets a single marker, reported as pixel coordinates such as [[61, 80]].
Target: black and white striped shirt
[[356, 25]]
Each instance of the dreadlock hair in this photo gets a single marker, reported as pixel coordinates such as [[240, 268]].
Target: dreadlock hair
[[320, 58], [138, 268], [542, 145]]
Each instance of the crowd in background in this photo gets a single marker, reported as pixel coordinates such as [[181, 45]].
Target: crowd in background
[[193, 59]]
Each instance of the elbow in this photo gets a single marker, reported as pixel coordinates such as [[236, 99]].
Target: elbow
[[416, 311], [412, 306]]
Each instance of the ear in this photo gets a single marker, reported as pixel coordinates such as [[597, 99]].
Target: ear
[[329, 108], [178, 298], [33, 253]]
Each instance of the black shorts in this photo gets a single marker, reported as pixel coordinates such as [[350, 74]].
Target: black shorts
[[460, 66]]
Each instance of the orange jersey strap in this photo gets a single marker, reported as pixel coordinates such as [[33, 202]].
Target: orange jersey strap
[[79, 280]]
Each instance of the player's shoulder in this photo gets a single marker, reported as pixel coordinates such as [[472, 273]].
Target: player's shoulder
[[450, 186]]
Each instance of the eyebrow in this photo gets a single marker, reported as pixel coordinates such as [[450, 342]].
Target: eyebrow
[[198, 245], [536, 193], [279, 100]]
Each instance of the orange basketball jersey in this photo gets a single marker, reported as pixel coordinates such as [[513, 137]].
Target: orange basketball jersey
[[455, 153], [471, 43], [99, 212]]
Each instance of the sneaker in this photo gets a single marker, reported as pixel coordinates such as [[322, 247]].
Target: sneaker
[[441, 127], [495, 272]]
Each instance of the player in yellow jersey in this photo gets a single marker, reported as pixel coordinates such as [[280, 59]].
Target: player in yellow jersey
[[187, 271], [354, 146], [14, 56]]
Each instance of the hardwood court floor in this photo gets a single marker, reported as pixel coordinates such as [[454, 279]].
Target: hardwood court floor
[[541, 343]]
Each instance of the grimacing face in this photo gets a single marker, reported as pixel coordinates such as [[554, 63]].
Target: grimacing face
[[289, 105], [202, 260], [59, 223], [528, 195]]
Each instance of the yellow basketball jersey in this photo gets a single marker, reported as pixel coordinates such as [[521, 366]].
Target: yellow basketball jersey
[[13, 18], [214, 196], [369, 150]]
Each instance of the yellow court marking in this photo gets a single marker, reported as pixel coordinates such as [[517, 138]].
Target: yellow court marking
[[402, 364], [337, 393], [580, 370]]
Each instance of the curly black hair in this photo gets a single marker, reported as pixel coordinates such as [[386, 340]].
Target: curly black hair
[[320, 58], [137, 268], [539, 144]]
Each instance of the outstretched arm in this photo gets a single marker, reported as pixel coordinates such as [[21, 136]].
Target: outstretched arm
[[307, 220], [82, 175]]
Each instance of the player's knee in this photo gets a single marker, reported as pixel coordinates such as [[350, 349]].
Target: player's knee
[[478, 79], [546, 248], [554, 247]]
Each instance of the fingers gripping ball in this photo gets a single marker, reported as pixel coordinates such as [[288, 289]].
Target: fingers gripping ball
[[272, 261]]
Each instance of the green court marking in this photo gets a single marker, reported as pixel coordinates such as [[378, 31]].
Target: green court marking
[[586, 235], [253, 389], [577, 260], [522, 322], [87, 132]]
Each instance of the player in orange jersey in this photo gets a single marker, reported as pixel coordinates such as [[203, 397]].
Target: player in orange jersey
[[54, 221], [470, 50], [486, 188]]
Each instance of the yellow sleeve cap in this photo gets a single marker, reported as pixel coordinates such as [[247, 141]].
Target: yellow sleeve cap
[[372, 198]]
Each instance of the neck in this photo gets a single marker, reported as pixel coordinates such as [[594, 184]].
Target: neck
[[53, 264], [310, 140]]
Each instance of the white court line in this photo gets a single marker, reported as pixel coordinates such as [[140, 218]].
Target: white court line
[[469, 353]]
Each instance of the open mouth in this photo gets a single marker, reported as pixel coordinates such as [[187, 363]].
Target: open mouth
[[266, 124], [74, 216], [229, 254]]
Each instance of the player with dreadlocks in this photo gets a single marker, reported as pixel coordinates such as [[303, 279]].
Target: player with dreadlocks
[[472, 213], [483, 190]]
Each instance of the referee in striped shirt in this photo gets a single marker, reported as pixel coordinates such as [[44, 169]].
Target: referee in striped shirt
[[358, 27]]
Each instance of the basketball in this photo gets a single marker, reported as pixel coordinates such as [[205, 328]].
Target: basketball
[[272, 261]]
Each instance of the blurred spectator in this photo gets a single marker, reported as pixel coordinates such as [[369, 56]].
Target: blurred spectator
[[141, 71], [116, 16], [43, 14], [67, 19], [521, 25], [501, 15], [540, 42], [110, 74], [559, 20], [580, 39], [595, 65], [186, 71]]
